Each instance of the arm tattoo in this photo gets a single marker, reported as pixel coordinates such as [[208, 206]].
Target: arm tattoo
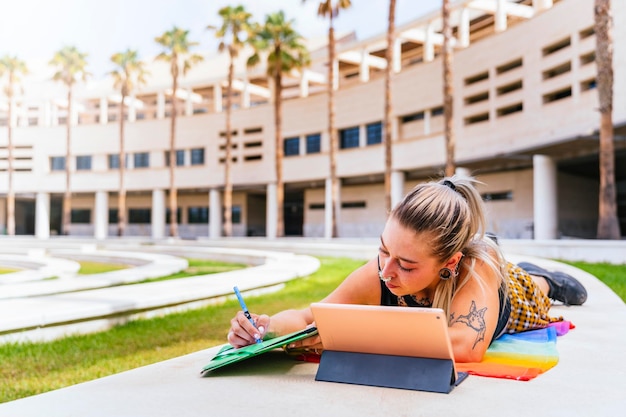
[[474, 319]]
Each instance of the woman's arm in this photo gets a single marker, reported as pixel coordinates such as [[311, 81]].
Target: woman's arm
[[360, 287], [474, 314]]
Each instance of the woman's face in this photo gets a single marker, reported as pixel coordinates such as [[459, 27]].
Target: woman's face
[[406, 259]]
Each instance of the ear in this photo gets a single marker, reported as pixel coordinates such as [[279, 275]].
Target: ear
[[454, 261]]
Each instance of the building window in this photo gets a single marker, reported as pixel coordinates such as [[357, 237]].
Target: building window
[[114, 161], [291, 146], [197, 215], [57, 163], [83, 163], [436, 111], [180, 158], [167, 215], [412, 117], [501, 196], [236, 215], [353, 204], [557, 46], [113, 216], [141, 159], [80, 216], [197, 156], [137, 216], [349, 138], [314, 143], [317, 206], [374, 133]]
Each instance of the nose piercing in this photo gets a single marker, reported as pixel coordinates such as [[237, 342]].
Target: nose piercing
[[380, 273]]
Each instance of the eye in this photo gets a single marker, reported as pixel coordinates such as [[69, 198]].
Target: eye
[[404, 269], [382, 252]]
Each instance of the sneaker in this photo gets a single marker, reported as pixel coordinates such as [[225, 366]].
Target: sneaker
[[563, 287]]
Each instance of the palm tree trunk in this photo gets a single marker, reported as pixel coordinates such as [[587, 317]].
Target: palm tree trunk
[[121, 202], [228, 185], [608, 223], [448, 90], [331, 129], [10, 191], [67, 196], [172, 195], [388, 104], [280, 187]]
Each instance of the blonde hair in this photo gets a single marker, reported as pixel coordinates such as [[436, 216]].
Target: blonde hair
[[452, 213]]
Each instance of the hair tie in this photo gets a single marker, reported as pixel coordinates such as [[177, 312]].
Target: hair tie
[[449, 183]]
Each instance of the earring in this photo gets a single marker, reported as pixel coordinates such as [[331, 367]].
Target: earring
[[445, 274]]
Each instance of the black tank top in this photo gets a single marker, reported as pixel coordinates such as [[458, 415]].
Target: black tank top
[[389, 299]]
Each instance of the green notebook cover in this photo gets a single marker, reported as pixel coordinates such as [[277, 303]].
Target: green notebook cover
[[229, 354]]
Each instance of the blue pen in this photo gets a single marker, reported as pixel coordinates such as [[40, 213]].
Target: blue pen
[[245, 309]]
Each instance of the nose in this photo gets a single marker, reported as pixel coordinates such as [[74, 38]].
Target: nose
[[384, 270]]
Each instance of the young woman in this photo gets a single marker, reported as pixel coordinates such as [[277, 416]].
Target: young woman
[[433, 253]]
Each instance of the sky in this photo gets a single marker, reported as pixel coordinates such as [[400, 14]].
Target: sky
[[33, 30]]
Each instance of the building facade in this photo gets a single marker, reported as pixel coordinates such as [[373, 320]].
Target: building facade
[[525, 120]]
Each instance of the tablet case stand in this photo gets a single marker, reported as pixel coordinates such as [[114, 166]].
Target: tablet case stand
[[421, 374]]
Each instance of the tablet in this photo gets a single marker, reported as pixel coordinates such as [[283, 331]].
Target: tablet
[[401, 331]]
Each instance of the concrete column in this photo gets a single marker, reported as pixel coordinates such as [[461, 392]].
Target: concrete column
[[364, 72], [215, 214], [13, 121], [427, 117], [500, 16], [464, 28], [132, 110], [54, 114], [545, 197], [42, 216], [245, 95], [158, 214], [462, 172], [189, 103], [104, 110], [272, 211], [160, 105], [335, 79], [73, 118], [101, 215], [397, 55], [328, 215], [541, 5], [23, 119], [362, 136], [397, 187], [44, 114], [429, 46], [217, 98], [304, 83]]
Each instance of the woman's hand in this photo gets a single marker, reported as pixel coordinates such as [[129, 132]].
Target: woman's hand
[[243, 333]]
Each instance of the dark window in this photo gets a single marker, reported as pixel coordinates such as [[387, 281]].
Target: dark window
[[477, 78], [113, 216], [317, 206], [139, 216], [236, 215], [197, 215], [83, 163], [436, 111], [256, 144], [353, 204], [253, 157], [513, 108], [349, 138], [81, 216], [114, 161], [57, 163], [412, 117], [167, 215], [180, 158], [252, 130], [314, 143], [197, 156], [501, 196], [374, 133], [588, 85], [291, 146], [557, 46], [141, 159], [557, 95], [509, 66]]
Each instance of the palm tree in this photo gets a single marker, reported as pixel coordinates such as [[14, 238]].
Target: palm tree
[[232, 33], [388, 105], [330, 9], [70, 67], [13, 67], [130, 73], [448, 107], [176, 52], [608, 223], [286, 53]]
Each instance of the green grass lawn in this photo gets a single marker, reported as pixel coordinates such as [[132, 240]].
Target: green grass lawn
[[32, 368]]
